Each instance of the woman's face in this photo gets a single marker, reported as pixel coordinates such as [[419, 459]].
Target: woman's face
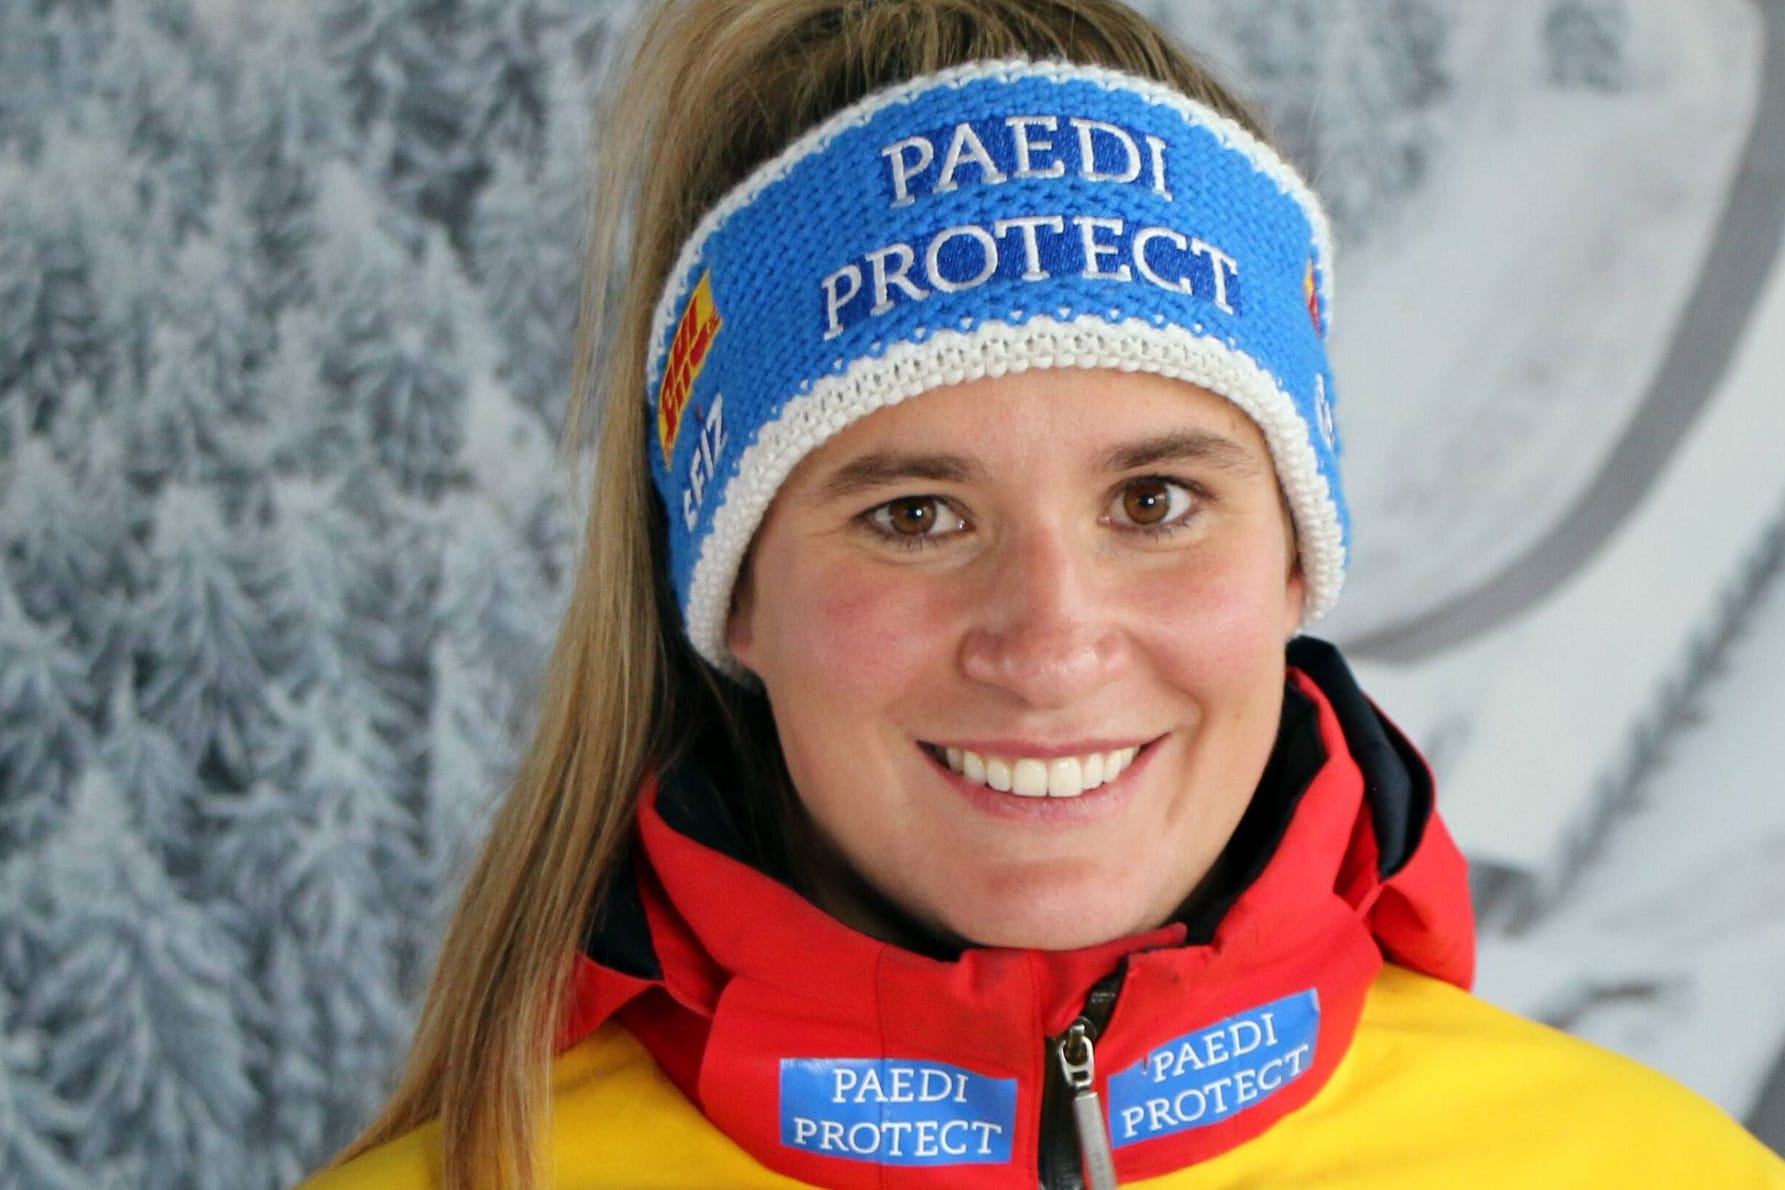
[[963, 606]]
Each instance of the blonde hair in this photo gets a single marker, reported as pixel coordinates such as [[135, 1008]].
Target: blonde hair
[[715, 88]]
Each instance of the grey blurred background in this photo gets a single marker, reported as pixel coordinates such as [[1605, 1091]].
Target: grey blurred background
[[286, 296]]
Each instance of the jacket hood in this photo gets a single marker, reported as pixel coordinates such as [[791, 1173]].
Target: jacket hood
[[842, 1060]]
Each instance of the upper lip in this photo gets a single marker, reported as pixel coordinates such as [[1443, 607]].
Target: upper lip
[[1032, 749]]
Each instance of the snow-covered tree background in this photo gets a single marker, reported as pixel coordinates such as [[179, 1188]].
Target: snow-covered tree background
[[286, 296]]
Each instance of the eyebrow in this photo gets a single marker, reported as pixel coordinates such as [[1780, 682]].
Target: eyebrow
[[881, 468], [1183, 446]]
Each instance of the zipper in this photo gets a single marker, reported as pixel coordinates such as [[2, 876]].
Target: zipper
[[1074, 1143]]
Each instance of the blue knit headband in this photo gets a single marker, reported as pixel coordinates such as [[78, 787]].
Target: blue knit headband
[[986, 220]]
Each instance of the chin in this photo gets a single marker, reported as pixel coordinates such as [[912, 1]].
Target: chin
[[1077, 934], [1057, 918]]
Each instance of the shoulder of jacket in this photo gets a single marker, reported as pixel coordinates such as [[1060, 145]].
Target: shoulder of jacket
[[1433, 1051], [616, 1121], [409, 1162]]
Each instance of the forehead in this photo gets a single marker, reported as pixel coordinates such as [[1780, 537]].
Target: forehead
[[1097, 420]]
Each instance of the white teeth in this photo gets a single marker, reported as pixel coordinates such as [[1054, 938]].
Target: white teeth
[[1068, 776], [1028, 778]]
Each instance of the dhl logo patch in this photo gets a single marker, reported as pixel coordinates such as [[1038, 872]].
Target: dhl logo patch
[[1313, 292], [687, 356]]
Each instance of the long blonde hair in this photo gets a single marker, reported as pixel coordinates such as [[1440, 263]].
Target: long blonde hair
[[715, 88]]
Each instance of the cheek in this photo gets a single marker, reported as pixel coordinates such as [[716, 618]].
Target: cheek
[[853, 632], [1215, 621]]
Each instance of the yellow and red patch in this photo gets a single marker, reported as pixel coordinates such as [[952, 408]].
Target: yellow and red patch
[[687, 356], [1312, 288]]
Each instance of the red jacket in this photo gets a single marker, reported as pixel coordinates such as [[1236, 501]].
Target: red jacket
[[844, 1061], [1304, 1025]]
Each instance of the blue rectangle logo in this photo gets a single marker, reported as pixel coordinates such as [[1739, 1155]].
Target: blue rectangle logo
[[1207, 1076], [894, 1111]]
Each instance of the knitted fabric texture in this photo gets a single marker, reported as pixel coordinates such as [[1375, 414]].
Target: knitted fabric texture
[[979, 222]]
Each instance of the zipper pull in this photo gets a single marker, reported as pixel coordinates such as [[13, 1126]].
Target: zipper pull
[[1079, 1064]]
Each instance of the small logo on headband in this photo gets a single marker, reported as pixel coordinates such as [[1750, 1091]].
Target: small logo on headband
[[1323, 412], [1312, 288], [687, 356]]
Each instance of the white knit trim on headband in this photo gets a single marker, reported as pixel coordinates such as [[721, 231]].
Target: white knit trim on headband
[[1231, 134], [909, 369]]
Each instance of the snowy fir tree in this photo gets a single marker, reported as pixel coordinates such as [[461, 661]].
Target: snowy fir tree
[[253, 399], [1584, 44], [201, 679], [160, 780], [286, 304], [132, 1000], [36, 1124], [52, 339], [45, 729]]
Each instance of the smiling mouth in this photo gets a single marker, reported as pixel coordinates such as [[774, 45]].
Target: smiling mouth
[[1062, 776]]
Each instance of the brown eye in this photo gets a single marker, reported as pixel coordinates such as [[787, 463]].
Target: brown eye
[[916, 520], [1151, 503], [911, 517], [1147, 502]]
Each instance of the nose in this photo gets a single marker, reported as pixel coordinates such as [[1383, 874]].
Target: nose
[[1044, 627]]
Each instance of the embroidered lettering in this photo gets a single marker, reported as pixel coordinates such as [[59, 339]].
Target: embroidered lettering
[[1016, 148], [1207, 1076], [1225, 268], [903, 169], [966, 256], [988, 258], [704, 464], [1088, 131], [1323, 413], [1156, 148], [1143, 240], [1027, 147], [896, 1112], [1030, 226], [966, 146], [836, 296], [1096, 250], [885, 279]]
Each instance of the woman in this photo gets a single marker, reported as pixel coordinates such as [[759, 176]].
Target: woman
[[922, 796]]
